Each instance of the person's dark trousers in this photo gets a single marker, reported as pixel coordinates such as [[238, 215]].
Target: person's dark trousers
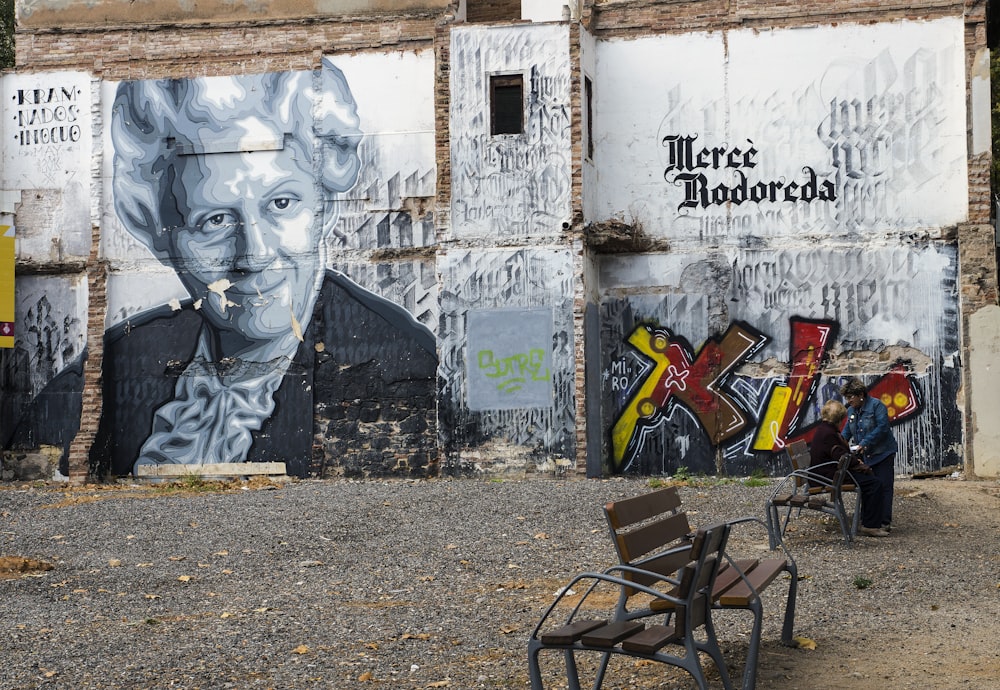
[[872, 495], [886, 473]]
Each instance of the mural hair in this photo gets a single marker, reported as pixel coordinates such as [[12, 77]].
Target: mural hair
[[155, 123]]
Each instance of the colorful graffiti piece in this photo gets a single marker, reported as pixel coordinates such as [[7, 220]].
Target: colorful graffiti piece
[[808, 352], [694, 382], [897, 393], [699, 384]]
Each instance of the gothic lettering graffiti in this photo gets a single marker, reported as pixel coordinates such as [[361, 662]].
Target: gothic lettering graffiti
[[687, 167], [698, 383]]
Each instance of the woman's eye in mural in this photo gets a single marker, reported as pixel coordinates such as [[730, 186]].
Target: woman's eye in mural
[[282, 204], [222, 222]]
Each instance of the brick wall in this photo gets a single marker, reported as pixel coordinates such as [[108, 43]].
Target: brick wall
[[157, 52], [612, 18], [492, 10], [90, 417]]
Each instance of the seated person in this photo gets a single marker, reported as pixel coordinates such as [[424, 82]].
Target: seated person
[[825, 451]]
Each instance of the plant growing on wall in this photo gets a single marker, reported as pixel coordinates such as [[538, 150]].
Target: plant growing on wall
[[6, 34]]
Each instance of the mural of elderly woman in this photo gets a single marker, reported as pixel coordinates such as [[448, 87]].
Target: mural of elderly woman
[[233, 182]]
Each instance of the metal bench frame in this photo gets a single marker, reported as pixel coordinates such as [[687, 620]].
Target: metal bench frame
[[689, 599], [805, 489], [654, 541]]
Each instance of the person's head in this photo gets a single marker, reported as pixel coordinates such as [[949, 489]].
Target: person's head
[[854, 392], [232, 182], [833, 411]]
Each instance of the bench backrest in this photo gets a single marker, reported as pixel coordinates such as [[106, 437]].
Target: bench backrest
[[699, 574], [799, 458], [650, 531], [841, 478]]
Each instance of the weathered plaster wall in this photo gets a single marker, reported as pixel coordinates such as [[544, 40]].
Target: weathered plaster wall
[[510, 406], [879, 252], [810, 208], [510, 185], [524, 417], [47, 146], [765, 306], [876, 120], [984, 368]]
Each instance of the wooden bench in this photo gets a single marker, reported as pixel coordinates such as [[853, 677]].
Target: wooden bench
[[654, 542], [689, 598], [804, 489]]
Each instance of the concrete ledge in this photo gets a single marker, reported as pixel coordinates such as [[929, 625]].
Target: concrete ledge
[[226, 469]]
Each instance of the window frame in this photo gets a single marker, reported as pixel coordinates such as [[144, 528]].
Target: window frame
[[505, 80]]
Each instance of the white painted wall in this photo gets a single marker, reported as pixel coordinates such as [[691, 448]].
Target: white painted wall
[[510, 185], [547, 10], [880, 296], [47, 149], [984, 372], [898, 162]]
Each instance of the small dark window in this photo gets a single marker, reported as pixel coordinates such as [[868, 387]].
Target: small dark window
[[588, 94], [507, 104]]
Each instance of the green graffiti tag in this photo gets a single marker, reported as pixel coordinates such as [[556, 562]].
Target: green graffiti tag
[[514, 370]]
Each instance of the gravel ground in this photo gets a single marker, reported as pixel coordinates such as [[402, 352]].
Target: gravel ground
[[430, 584]]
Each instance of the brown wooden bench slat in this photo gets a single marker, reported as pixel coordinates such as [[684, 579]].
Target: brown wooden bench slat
[[814, 490], [650, 640], [611, 634], [726, 578], [654, 535], [568, 634], [662, 565], [760, 577], [639, 508], [730, 576]]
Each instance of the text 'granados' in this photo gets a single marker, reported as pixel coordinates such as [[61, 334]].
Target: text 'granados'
[[48, 116], [686, 167]]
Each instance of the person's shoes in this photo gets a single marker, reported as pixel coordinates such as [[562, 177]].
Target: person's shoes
[[872, 532], [887, 527]]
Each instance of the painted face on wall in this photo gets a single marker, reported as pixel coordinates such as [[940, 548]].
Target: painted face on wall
[[232, 182], [250, 243]]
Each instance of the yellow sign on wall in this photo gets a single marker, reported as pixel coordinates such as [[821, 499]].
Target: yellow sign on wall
[[6, 286]]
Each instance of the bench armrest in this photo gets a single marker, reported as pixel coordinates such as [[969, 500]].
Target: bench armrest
[[811, 478], [597, 579], [753, 519]]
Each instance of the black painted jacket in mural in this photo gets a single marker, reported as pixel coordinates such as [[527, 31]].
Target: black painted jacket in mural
[[373, 352]]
